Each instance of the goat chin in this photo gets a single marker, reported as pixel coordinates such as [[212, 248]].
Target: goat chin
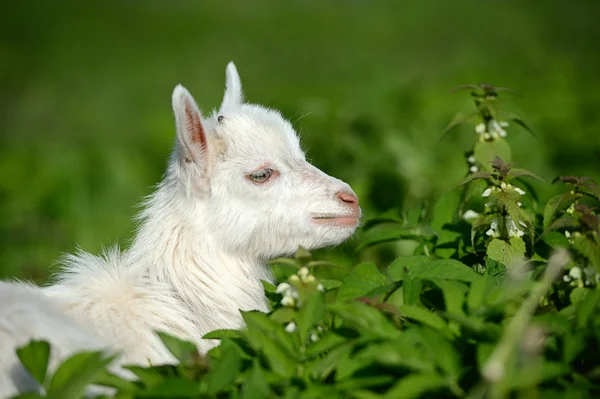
[[238, 191]]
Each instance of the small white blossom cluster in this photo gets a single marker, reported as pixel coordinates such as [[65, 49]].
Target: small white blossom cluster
[[511, 228], [503, 187], [472, 164], [289, 290], [493, 130], [578, 277], [314, 336], [470, 215]]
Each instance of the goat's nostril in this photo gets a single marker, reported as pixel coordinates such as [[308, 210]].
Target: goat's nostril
[[348, 198]]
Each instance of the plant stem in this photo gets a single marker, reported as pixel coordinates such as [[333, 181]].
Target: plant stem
[[494, 370]]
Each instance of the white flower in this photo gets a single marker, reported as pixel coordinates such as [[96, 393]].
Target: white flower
[[487, 192], [519, 204], [288, 301], [566, 278], [309, 279], [320, 287], [567, 234], [470, 214], [493, 231], [575, 273], [283, 287], [517, 189], [504, 123], [471, 159], [496, 127], [314, 337], [303, 273], [502, 185], [513, 230], [290, 328], [480, 129], [487, 136], [473, 169], [294, 278]]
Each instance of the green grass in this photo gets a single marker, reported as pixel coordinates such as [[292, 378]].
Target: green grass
[[86, 124]]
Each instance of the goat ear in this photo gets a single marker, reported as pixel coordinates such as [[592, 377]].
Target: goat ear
[[191, 137], [233, 88]]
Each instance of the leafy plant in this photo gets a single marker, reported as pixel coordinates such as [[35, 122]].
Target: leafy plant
[[498, 300]]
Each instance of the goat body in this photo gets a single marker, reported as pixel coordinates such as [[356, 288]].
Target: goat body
[[238, 191]]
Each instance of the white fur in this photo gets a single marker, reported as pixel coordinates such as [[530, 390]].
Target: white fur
[[201, 250]]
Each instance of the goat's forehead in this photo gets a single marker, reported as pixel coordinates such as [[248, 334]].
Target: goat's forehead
[[263, 132]]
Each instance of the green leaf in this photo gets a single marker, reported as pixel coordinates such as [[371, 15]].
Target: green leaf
[[424, 316], [183, 351], [556, 239], [591, 188], [516, 119], [573, 344], [556, 204], [310, 314], [225, 369], [454, 294], [479, 290], [147, 375], [586, 307], [411, 290], [326, 365], [415, 385], [390, 232], [442, 350], [530, 377], [107, 379], [482, 221], [330, 284], [424, 267], [283, 268], [34, 357], [445, 209], [350, 384], [474, 176], [517, 172], [326, 343], [76, 373], [365, 319], [406, 352], [268, 336], [283, 315], [485, 152], [221, 334], [471, 118], [173, 387], [256, 385], [588, 248], [508, 253], [363, 278]]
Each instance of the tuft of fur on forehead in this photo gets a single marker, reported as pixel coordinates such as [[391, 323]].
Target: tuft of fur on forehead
[[258, 129]]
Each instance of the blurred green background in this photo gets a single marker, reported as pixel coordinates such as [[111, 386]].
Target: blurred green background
[[86, 124]]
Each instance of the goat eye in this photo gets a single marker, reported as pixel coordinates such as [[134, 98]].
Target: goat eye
[[261, 176]]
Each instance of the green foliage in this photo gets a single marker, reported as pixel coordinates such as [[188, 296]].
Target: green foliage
[[500, 298]]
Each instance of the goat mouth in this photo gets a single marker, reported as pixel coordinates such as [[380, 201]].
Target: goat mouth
[[343, 220]]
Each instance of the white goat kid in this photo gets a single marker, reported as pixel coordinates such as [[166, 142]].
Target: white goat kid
[[238, 191]]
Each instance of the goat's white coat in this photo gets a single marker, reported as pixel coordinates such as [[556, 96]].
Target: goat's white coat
[[201, 250]]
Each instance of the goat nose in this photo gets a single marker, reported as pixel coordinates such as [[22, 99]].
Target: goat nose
[[349, 198]]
